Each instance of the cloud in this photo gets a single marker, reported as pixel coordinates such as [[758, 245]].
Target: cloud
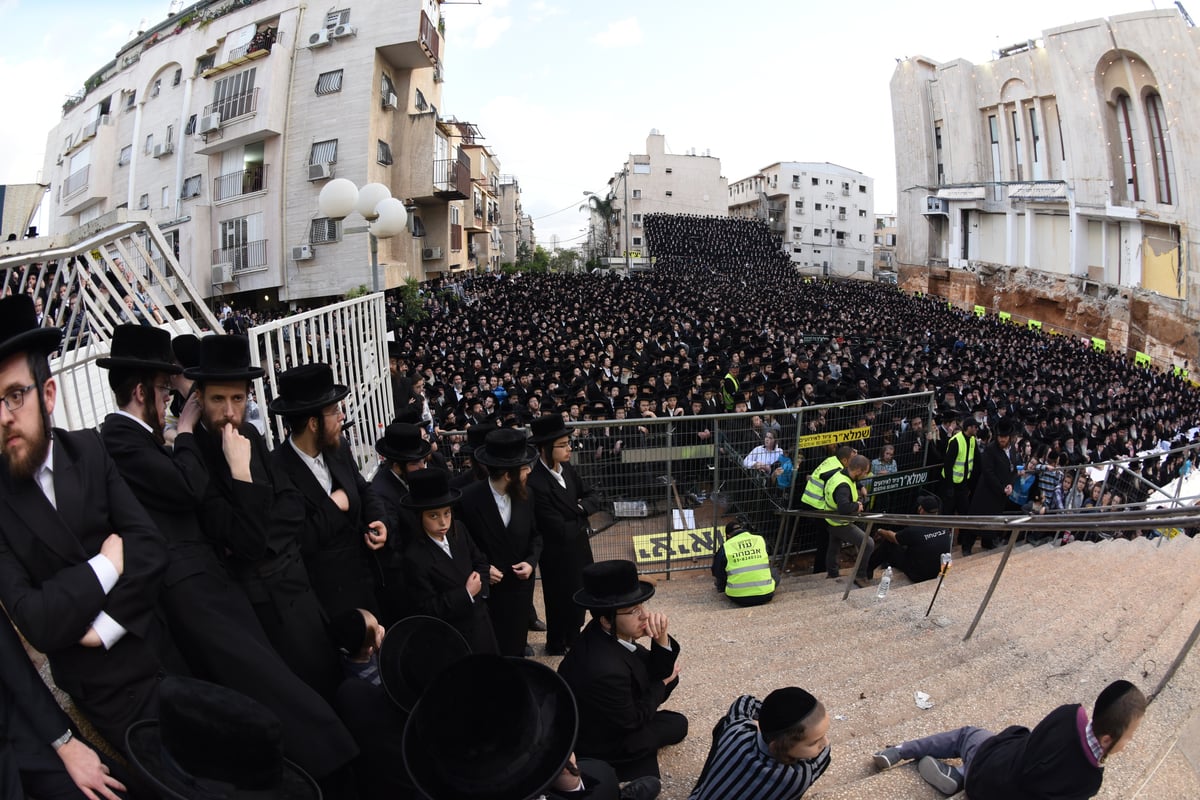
[[480, 27], [622, 33], [540, 10]]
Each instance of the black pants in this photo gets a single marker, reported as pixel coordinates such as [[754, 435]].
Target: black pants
[[664, 728]]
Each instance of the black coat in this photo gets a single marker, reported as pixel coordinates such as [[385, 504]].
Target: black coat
[[618, 692], [994, 470], [437, 586], [402, 527], [53, 595], [211, 620], [340, 565]]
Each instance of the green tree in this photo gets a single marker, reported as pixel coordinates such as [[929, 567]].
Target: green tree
[[564, 261], [540, 261], [410, 303]]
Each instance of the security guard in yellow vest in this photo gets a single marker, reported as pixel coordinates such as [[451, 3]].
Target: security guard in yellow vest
[[841, 496], [958, 470], [814, 497], [730, 386], [742, 568]]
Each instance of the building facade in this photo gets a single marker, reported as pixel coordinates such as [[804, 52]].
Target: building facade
[[658, 182], [824, 213], [1066, 155], [225, 121], [885, 244]]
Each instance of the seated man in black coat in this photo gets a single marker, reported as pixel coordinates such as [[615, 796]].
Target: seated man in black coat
[[1063, 757], [618, 683], [917, 549]]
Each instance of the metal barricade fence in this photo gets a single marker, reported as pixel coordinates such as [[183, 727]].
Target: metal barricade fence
[[350, 336], [670, 485]]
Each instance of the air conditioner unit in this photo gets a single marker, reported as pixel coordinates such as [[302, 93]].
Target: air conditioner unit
[[222, 273], [320, 171], [430, 253], [842, 215], [319, 39], [302, 252], [343, 30], [172, 283], [209, 123], [795, 184], [936, 205], [438, 73], [164, 149], [391, 101]]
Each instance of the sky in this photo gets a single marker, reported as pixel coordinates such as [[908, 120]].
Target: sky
[[564, 90]]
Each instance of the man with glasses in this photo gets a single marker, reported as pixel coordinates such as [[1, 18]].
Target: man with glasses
[[562, 504], [342, 525], [210, 619], [618, 683], [81, 564]]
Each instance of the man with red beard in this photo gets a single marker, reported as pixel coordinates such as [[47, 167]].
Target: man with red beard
[[80, 561], [211, 620]]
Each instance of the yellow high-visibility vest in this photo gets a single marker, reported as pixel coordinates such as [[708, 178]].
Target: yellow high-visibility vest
[[964, 459], [748, 570], [841, 477]]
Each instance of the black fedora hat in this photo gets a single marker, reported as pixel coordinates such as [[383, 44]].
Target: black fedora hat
[[490, 728], [429, 488], [612, 584], [402, 442], [308, 387], [224, 357], [211, 743], [548, 428], [19, 331], [186, 347], [414, 652], [505, 447], [140, 347]]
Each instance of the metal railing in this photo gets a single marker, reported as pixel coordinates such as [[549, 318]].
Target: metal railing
[[248, 257], [238, 183], [236, 105], [76, 182]]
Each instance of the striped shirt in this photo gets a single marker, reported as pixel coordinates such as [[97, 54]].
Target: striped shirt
[[740, 767]]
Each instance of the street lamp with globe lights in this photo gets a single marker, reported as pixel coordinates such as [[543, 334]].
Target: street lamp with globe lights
[[385, 215]]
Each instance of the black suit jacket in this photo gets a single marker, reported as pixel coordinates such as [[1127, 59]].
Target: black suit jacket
[[561, 513], [618, 692], [436, 585], [995, 470], [53, 595], [503, 547]]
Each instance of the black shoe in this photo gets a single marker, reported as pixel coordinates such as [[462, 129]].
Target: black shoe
[[536, 624], [946, 779], [646, 787]]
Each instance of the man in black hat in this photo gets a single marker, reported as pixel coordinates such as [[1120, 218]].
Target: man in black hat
[[619, 684], [211, 620], [958, 466], [342, 521], [562, 504], [499, 515], [251, 512], [997, 476], [186, 350], [81, 563], [404, 451]]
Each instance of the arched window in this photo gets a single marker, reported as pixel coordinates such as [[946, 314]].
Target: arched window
[[1160, 147], [1128, 153]]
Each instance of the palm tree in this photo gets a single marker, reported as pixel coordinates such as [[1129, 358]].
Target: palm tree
[[601, 216]]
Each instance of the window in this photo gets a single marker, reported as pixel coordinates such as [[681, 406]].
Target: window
[[637, 241], [1160, 147], [170, 134], [419, 101], [383, 152], [668, 193], [175, 81], [1018, 155], [637, 193], [862, 212], [166, 197], [323, 230], [234, 96], [386, 87], [156, 88], [816, 181], [668, 170], [1036, 135], [242, 243], [149, 148], [994, 142], [862, 266], [205, 62], [335, 18], [126, 155], [937, 146], [130, 101], [323, 152], [637, 218], [816, 206], [191, 187], [862, 189], [329, 82], [455, 215], [1128, 154], [799, 206], [144, 202], [190, 128]]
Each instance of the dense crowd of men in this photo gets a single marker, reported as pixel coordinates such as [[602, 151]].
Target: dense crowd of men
[[174, 542]]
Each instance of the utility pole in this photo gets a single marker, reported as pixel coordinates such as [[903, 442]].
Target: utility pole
[[628, 255]]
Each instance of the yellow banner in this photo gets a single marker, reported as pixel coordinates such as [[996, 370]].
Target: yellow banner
[[652, 548], [1005, 316], [980, 311], [1035, 325], [835, 437], [1141, 359], [1099, 344]]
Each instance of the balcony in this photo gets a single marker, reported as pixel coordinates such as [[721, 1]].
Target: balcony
[[415, 48], [236, 184], [234, 106], [76, 182], [456, 236], [248, 257], [452, 179]]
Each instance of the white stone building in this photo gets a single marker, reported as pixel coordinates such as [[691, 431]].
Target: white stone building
[[658, 182], [824, 213], [226, 119], [1067, 154]]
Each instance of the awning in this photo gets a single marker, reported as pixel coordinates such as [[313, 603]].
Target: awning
[[1037, 191]]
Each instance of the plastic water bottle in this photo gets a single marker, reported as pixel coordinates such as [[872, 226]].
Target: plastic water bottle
[[885, 583]]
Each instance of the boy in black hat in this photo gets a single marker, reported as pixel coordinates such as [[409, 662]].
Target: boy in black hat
[[772, 749], [1062, 757], [618, 683], [81, 563]]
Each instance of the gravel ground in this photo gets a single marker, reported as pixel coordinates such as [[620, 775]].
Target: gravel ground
[[1062, 624]]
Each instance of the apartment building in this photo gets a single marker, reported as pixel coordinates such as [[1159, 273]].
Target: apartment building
[[824, 214], [658, 182], [885, 244], [512, 219], [1067, 156], [483, 208], [225, 120]]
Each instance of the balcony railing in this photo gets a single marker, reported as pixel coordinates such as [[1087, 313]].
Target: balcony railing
[[234, 106], [261, 41], [76, 182], [241, 182], [248, 257], [429, 37], [450, 176]]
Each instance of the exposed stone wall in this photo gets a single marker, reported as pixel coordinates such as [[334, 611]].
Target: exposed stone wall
[[1129, 319]]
